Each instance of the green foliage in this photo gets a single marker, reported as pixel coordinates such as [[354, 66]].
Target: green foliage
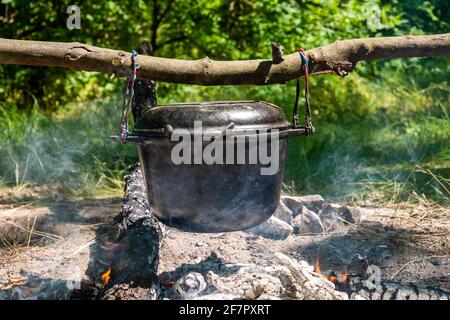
[[373, 127]]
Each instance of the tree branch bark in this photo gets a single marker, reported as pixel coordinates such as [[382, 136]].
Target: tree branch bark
[[339, 57]]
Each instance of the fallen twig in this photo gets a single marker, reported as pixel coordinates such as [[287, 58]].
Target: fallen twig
[[15, 208], [31, 232], [415, 260], [39, 233]]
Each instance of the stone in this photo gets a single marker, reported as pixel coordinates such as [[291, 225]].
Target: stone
[[283, 213], [307, 222], [335, 216], [331, 221], [273, 228], [295, 203], [345, 213], [355, 213]]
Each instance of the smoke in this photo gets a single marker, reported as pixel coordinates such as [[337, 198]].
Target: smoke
[[72, 147], [371, 162]]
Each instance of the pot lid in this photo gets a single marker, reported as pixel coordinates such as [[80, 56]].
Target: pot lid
[[214, 115]]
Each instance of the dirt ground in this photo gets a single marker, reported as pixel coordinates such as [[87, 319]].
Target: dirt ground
[[50, 239]]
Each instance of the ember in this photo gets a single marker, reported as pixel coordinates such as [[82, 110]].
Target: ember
[[342, 280], [106, 277]]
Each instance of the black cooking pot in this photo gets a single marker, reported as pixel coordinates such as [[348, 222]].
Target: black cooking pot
[[189, 187]]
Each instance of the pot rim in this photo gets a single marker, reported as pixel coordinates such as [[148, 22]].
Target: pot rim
[[162, 136]]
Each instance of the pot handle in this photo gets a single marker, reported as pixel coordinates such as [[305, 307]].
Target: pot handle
[[308, 120], [300, 131], [129, 139]]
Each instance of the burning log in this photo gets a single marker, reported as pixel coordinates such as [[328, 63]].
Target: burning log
[[126, 267]]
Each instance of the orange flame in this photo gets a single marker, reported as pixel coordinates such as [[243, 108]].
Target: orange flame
[[332, 279], [317, 266], [106, 276], [343, 279], [317, 269]]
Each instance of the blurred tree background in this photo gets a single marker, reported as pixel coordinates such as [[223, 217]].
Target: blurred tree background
[[382, 132]]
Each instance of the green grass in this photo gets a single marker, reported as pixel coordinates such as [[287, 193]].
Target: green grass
[[70, 148]]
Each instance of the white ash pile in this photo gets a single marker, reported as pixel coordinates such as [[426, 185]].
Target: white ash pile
[[306, 215], [287, 279]]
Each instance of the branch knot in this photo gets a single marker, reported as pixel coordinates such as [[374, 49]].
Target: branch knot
[[277, 53]]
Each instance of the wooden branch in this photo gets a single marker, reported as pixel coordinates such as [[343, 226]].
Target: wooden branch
[[339, 57]]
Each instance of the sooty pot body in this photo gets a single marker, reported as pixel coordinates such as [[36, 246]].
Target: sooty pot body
[[209, 197]]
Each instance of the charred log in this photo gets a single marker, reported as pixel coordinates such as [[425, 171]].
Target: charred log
[[135, 262], [126, 267]]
